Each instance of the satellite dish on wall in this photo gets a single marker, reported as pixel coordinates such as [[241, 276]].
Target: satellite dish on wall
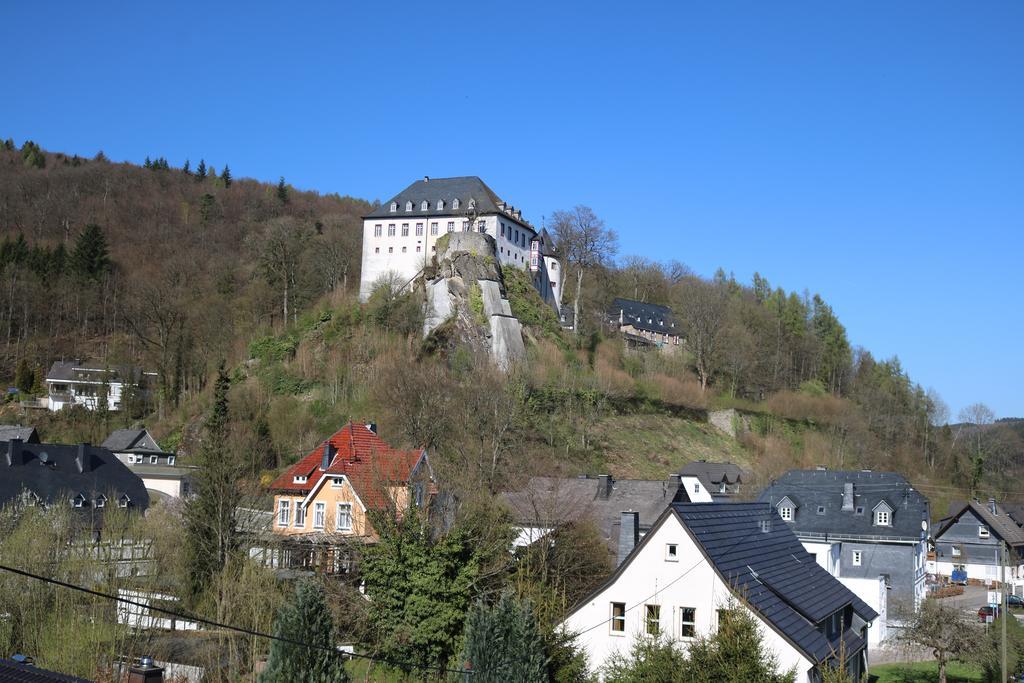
[[924, 525]]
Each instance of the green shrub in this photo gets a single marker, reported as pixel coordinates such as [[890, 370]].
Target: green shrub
[[272, 349], [528, 307]]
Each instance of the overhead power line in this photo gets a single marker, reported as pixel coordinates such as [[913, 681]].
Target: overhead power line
[[228, 627]]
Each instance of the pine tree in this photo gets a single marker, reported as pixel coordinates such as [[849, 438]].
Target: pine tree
[[307, 619], [90, 258], [185, 169], [148, 163], [207, 205], [225, 176], [9, 144], [201, 171], [210, 524], [282, 191], [24, 377], [503, 643]]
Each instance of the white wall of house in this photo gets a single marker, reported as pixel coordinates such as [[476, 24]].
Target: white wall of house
[[172, 486], [652, 578], [697, 492], [825, 554], [83, 393], [875, 594]]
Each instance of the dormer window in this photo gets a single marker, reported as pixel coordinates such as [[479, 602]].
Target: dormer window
[[101, 501], [983, 531], [455, 203], [424, 205], [786, 513], [440, 204], [472, 204], [336, 483], [300, 479], [170, 459], [882, 518], [78, 501], [154, 459], [124, 501], [394, 207], [408, 206]]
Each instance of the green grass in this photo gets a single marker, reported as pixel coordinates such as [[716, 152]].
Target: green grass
[[925, 672], [651, 446]]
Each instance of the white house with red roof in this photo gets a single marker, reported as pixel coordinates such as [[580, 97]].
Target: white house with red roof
[[329, 493]]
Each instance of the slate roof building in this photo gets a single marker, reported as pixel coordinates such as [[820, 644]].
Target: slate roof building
[[969, 540], [731, 555], [24, 434], [81, 476], [643, 324], [623, 509], [23, 670], [859, 525], [82, 383], [160, 470], [719, 480], [400, 236]]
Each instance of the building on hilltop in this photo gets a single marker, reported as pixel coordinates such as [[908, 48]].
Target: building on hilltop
[[622, 509], [400, 236], [732, 555], [644, 325], [861, 526], [323, 502], [968, 542], [160, 470], [84, 383]]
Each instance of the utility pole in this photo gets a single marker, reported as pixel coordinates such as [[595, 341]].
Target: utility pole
[[1004, 601]]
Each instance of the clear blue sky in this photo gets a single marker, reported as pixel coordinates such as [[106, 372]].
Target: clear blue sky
[[869, 151]]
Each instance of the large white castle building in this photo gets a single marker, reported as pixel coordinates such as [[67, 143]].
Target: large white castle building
[[400, 236]]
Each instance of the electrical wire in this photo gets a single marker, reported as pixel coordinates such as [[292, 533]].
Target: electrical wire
[[228, 627]]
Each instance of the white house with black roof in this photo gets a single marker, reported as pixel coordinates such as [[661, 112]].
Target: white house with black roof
[[159, 470], [645, 325], [700, 558], [861, 526], [400, 236], [80, 476], [85, 383]]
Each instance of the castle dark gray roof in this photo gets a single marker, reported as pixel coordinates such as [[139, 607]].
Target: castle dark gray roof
[[26, 434], [463, 188], [823, 489], [551, 501], [643, 316], [56, 473], [773, 572]]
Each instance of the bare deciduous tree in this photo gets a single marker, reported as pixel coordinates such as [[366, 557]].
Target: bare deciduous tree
[[280, 250], [703, 307], [585, 243]]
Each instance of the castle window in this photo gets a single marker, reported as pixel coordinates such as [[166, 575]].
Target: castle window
[[502, 229], [440, 204], [455, 203], [391, 229], [472, 204], [417, 248], [465, 226], [405, 229], [391, 250], [394, 206], [451, 226], [480, 225], [408, 206], [376, 250], [378, 230], [419, 230], [424, 205], [403, 249]]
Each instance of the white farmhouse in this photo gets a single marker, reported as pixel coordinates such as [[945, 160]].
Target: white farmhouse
[[400, 236], [700, 558], [84, 384]]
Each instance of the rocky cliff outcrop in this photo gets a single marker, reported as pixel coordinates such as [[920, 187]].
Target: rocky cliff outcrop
[[468, 292]]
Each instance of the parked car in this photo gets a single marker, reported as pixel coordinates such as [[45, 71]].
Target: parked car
[[1015, 601], [987, 611]]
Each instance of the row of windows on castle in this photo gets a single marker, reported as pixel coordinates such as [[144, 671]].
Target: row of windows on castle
[[425, 205], [342, 515], [517, 237]]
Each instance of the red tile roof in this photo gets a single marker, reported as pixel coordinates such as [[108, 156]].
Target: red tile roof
[[363, 457]]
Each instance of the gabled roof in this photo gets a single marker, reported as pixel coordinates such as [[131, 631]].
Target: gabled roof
[[711, 474], [552, 501], [788, 500], [365, 459], [15, 672], [52, 473], [771, 571], [91, 371], [463, 188], [26, 434], [1000, 522], [825, 489], [643, 316], [132, 441]]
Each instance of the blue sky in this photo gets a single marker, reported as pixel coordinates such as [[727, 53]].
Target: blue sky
[[869, 151]]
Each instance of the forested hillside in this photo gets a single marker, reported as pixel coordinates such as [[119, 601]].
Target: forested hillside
[[180, 268]]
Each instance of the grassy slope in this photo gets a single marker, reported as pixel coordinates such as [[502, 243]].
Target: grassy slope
[[925, 672], [649, 446]]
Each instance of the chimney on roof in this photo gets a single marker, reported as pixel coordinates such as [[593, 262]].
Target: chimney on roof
[[13, 452], [848, 497], [372, 426], [81, 457], [604, 486], [992, 506], [629, 533], [328, 456], [145, 671], [426, 179]]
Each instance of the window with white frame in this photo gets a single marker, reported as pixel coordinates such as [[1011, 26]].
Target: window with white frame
[[882, 518], [618, 620], [671, 552], [154, 459], [687, 622], [300, 479], [652, 619], [956, 550], [786, 512], [857, 558], [419, 230], [336, 483], [451, 226], [440, 204], [465, 226], [455, 203], [391, 229], [343, 518], [696, 488], [378, 230], [408, 206], [405, 229], [284, 512], [424, 206], [480, 225], [983, 531], [319, 511], [170, 459], [300, 514], [101, 501], [394, 207]]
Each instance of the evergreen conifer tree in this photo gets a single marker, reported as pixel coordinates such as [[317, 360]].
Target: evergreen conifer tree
[[305, 618], [201, 171], [225, 176], [282, 191], [24, 377], [90, 258], [186, 169], [148, 163], [504, 644], [9, 144]]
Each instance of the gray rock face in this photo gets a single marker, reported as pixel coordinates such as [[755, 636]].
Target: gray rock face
[[439, 305], [506, 341]]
